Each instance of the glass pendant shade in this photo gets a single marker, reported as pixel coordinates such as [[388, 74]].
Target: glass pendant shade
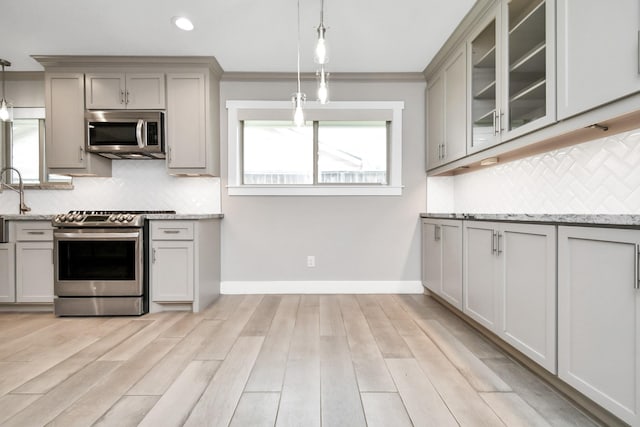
[[298, 115], [323, 86], [6, 109], [321, 55]]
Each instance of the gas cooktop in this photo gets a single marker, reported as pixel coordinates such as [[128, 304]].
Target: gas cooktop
[[104, 218]]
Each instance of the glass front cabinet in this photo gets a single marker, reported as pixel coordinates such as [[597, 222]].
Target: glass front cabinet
[[511, 59]]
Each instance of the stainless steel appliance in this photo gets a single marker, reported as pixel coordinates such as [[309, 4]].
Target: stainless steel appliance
[[101, 261], [126, 134]]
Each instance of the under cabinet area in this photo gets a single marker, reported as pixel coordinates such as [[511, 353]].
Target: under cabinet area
[[184, 264], [442, 259], [599, 316], [125, 90]]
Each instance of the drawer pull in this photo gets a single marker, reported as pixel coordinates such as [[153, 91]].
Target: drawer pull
[[35, 232], [171, 231]]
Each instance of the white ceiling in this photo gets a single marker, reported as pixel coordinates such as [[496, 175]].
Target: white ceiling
[[244, 35]]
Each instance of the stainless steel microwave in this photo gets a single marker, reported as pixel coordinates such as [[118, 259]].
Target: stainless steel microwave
[[126, 134]]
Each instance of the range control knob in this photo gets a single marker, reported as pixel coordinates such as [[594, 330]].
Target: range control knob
[[69, 217], [129, 218], [122, 218], [113, 218], [79, 217]]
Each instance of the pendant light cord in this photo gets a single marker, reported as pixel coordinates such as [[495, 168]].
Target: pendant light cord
[[298, 46], [3, 81]]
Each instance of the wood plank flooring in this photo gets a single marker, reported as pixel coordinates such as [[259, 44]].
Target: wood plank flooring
[[254, 360]]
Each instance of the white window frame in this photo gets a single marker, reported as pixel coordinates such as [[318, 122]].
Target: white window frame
[[235, 187]]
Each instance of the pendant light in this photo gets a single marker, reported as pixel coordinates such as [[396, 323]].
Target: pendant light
[[6, 109], [321, 57], [298, 98]]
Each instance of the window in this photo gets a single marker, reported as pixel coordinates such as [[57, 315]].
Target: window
[[345, 148], [24, 149]]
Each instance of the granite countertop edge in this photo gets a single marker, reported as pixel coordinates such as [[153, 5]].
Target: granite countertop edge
[[559, 219], [49, 217]]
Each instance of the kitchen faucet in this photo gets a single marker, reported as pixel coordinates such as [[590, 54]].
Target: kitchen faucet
[[23, 208]]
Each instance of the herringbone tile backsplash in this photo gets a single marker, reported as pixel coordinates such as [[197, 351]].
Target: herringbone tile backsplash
[[597, 177], [134, 185]]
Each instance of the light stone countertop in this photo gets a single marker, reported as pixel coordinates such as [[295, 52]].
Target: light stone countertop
[[559, 219], [49, 217]]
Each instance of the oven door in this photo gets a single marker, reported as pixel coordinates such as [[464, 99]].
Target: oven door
[[98, 262]]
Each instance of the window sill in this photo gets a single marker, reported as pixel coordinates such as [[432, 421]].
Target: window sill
[[49, 186], [314, 190]]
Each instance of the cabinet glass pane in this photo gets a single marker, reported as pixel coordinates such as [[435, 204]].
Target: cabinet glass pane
[[483, 85], [527, 62]]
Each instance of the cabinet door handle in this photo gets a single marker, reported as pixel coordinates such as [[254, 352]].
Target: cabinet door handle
[[495, 122], [444, 151], [500, 128], [499, 237], [439, 151], [153, 256], [493, 242], [636, 274], [121, 96], [81, 154], [126, 98], [436, 233]]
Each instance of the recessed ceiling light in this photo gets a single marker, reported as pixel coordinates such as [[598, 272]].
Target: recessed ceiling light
[[183, 23]]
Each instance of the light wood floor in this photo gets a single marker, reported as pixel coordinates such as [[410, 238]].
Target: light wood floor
[[269, 360]]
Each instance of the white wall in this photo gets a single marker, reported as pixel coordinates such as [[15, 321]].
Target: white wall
[[267, 238], [597, 177], [134, 185]]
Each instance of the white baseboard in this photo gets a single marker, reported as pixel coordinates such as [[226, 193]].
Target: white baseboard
[[321, 287]]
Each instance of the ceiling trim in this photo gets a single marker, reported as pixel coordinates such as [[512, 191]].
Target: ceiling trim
[[366, 77], [85, 61]]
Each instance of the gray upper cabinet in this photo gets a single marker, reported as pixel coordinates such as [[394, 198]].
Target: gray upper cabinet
[[192, 123], [65, 128], [598, 53], [446, 112], [125, 91], [511, 57]]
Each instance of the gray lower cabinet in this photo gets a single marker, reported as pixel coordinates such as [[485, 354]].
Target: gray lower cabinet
[[509, 284], [442, 259], [172, 261], [185, 264], [33, 261], [7, 272], [599, 317]]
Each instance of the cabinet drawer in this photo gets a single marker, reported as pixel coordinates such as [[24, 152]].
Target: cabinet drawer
[[34, 231], [171, 230]]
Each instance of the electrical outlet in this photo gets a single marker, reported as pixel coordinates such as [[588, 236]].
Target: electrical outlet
[[311, 261]]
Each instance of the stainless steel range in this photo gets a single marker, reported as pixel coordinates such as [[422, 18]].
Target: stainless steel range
[[101, 261]]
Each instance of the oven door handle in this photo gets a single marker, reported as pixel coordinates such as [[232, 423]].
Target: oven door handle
[[96, 236]]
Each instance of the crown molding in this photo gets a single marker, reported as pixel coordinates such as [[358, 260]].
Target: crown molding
[[362, 77], [87, 61]]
